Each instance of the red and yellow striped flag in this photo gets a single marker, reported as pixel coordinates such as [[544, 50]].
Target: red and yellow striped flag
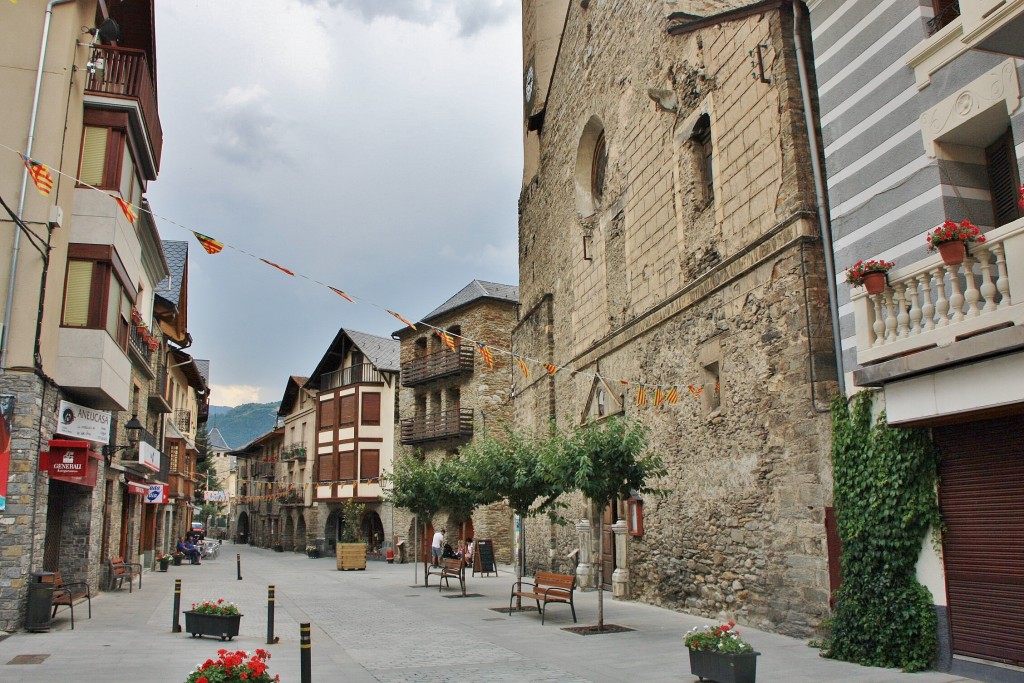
[[522, 366], [659, 396], [446, 338], [672, 396], [342, 294], [486, 353], [401, 318], [211, 245], [696, 391], [39, 173], [552, 369], [281, 268], [641, 396], [126, 208]]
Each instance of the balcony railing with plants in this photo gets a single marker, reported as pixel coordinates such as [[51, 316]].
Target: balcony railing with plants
[[441, 363], [929, 304], [444, 425], [296, 451], [183, 420], [364, 373], [126, 74]]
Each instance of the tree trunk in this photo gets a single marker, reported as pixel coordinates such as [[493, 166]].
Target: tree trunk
[[600, 571], [521, 561]]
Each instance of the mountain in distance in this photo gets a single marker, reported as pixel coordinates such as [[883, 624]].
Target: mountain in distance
[[242, 424]]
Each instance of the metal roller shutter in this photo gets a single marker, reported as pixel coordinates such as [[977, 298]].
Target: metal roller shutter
[[982, 502]]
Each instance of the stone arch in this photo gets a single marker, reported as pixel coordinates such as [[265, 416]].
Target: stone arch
[[373, 532], [591, 160], [300, 540], [288, 533], [332, 528], [242, 534]]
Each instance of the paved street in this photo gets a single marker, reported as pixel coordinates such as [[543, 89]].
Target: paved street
[[376, 625]]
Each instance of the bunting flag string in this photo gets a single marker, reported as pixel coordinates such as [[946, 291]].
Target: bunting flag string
[[39, 173], [641, 396], [662, 393]]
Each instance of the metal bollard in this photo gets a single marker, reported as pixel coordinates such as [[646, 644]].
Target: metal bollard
[[271, 638], [305, 654], [238, 559], [176, 622]]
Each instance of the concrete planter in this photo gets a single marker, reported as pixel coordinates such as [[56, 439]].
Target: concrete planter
[[351, 555], [220, 626], [724, 668]]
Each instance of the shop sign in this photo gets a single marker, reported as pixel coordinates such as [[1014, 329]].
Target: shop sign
[[156, 493], [149, 456], [82, 422], [68, 458]]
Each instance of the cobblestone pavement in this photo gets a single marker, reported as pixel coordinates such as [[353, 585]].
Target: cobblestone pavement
[[381, 624]]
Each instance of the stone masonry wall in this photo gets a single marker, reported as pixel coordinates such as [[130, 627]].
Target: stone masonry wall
[[726, 295]]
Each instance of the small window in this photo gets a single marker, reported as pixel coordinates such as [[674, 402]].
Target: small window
[[712, 389], [599, 169], [370, 413], [1003, 179], [94, 155], [348, 411], [327, 413], [369, 464], [347, 466], [702, 140], [325, 467]]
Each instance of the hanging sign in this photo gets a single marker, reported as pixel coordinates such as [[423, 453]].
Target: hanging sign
[[157, 493], [215, 496], [82, 422], [149, 456], [6, 417], [68, 458]]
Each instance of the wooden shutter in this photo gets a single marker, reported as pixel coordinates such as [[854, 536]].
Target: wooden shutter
[[325, 467], [327, 413], [347, 466], [982, 504], [94, 155], [77, 293], [348, 411], [1003, 179], [369, 464], [371, 409]]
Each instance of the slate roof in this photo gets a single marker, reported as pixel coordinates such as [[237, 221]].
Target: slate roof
[[477, 289], [215, 441], [176, 253], [204, 369], [384, 353]]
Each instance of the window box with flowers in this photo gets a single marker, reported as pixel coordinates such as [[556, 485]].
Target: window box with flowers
[[234, 667], [717, 653], [950, 239], [869, 274], [213, 618]]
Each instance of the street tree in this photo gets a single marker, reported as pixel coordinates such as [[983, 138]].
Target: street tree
[[414, 484]]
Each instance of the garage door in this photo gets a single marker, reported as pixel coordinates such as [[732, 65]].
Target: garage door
[[982, 503]]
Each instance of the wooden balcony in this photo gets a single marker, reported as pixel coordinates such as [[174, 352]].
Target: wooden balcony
[[442, 363], [158, 402], [364, 373], [126, 76], [450, 424]]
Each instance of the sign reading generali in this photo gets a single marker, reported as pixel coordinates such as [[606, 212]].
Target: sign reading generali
[[83, 423], [68, 458]]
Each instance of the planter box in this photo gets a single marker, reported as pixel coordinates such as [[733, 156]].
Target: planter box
[[724, 668], [163, 564], [176, 560], [351, 555], [216, 625]]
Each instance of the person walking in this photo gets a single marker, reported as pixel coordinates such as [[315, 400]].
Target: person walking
[[436, 546]]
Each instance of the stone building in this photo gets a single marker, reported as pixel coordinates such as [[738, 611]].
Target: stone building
[[450, 394], [922, 123], [669, 239], [295, 473], [257, 508]]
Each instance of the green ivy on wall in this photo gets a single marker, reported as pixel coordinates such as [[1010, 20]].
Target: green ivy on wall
[[885, 501]]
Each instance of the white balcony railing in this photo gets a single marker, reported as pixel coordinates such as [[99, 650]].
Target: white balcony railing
[[928, 304]]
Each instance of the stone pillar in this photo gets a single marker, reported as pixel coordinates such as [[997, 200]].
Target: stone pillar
[[585, 576], [620, 577]]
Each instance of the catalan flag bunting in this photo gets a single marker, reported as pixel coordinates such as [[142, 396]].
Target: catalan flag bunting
[[672, 396], [696, 391], [641, 396], [486, 353], [281, 268], [401, 318], [211, 245], [446, 338], [342, 294], [552, 369], [39, 173], [129, 213], [659, 396], [522, 366]]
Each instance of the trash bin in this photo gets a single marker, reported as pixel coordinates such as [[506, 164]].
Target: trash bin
[[40, 602]]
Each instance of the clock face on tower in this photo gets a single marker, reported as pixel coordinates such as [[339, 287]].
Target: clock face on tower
[[528, 85]]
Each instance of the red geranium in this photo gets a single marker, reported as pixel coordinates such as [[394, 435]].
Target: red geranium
[[233, 667], [964, 231]]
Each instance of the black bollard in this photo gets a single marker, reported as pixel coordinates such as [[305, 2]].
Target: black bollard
[[271, 638], [305, 654], [238, 559], [176, 622]]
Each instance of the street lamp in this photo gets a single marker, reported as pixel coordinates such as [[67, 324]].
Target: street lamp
[[133, 428]]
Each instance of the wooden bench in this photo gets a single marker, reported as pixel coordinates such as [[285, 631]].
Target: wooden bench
[[69, 595], [451, 568], [546, 587], [121, 570]]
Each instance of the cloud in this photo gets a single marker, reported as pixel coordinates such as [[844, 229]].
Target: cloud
[[472, 16], [232, 395], [245, 131]]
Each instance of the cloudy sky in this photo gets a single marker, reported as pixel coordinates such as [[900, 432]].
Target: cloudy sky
[[372, 145]]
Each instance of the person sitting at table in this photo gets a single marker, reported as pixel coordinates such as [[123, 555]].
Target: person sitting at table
[[192, 552], [467, 552]]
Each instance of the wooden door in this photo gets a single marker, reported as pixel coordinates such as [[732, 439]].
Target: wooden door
[[608, 546]]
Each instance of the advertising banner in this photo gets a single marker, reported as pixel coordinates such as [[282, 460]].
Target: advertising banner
[[81, 422], [215, 496], [149, 456], [68, 458], [7, 410], [157, 493]]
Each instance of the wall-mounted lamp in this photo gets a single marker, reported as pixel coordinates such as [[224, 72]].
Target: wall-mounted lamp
[[133, 428]]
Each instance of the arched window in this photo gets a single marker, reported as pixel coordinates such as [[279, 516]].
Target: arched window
[[598, 168], [701, 137]]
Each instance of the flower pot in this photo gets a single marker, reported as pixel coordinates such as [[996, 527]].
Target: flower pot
[[220, 626], [874, 282], [313, 554], [953, 252], [724, 668], [177, 560], [163, 562], [351, 555]]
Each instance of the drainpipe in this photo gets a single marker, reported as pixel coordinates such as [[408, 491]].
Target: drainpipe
[[24, 182], [819, 192]]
